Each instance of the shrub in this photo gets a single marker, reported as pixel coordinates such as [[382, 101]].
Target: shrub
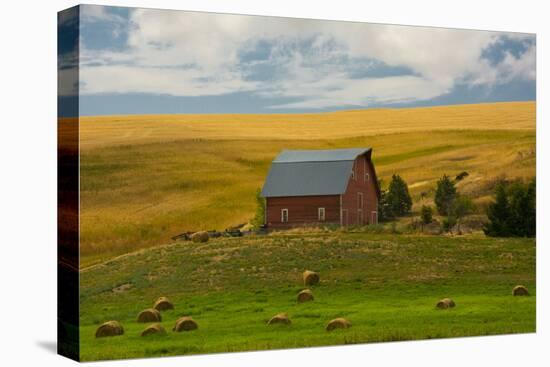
[[393, 228], [462, 206], [426, 214], [448, 224]]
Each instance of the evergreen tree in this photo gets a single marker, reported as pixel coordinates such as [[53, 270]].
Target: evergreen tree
[[398, 197], [445, 194], [530, 210], [259, 217], [498, 214], [384, 209], [522, 202]]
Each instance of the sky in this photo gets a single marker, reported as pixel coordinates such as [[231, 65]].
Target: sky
[[138, 61]]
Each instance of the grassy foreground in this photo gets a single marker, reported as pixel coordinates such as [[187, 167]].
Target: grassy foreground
[[386, 285], [147, 178]]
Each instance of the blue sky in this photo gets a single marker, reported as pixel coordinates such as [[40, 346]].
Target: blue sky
[[135, 61]]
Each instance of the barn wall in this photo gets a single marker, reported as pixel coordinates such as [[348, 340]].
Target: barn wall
[[302, 210], [358, 184]]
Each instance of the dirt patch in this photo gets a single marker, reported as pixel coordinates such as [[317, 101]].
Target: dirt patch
[[122, 288], [418, 184]]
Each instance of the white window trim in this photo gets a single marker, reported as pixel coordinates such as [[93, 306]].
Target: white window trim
[[320, 217], [360, 203], [283, 211], [360, 216]]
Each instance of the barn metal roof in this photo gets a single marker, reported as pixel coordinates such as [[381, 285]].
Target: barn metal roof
[[291, 156], [310, 172]]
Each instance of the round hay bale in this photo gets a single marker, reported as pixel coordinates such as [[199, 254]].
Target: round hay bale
[[280, 318], [163, 304], [305, 296], [339, 323], [185, 323], [201, 236], [109, 328], [520, 290], [154, 329], [445, 303], [310, 277], [149, 315]]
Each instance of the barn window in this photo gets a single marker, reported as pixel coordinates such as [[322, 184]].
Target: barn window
[[321, 214], [360, 200], [284, 215], [353, 170], [366, 177]]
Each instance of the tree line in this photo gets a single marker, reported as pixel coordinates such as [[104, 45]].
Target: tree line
[[512, 212]]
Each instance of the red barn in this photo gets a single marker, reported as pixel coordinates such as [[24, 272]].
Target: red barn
[[312, 187]]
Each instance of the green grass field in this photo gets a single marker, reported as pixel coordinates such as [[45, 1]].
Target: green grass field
[[386, 285], [147, 178]]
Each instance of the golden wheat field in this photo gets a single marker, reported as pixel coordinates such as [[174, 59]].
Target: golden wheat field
[[140, 129], [145, 178]]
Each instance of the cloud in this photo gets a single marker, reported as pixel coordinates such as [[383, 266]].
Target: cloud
[[323, 63], [161, 80], [99, 13]]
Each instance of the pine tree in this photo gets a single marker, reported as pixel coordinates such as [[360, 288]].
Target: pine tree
[[445, 194], [498, 214], [522, 202], [384, 209], [531, 209], [398, 196]]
